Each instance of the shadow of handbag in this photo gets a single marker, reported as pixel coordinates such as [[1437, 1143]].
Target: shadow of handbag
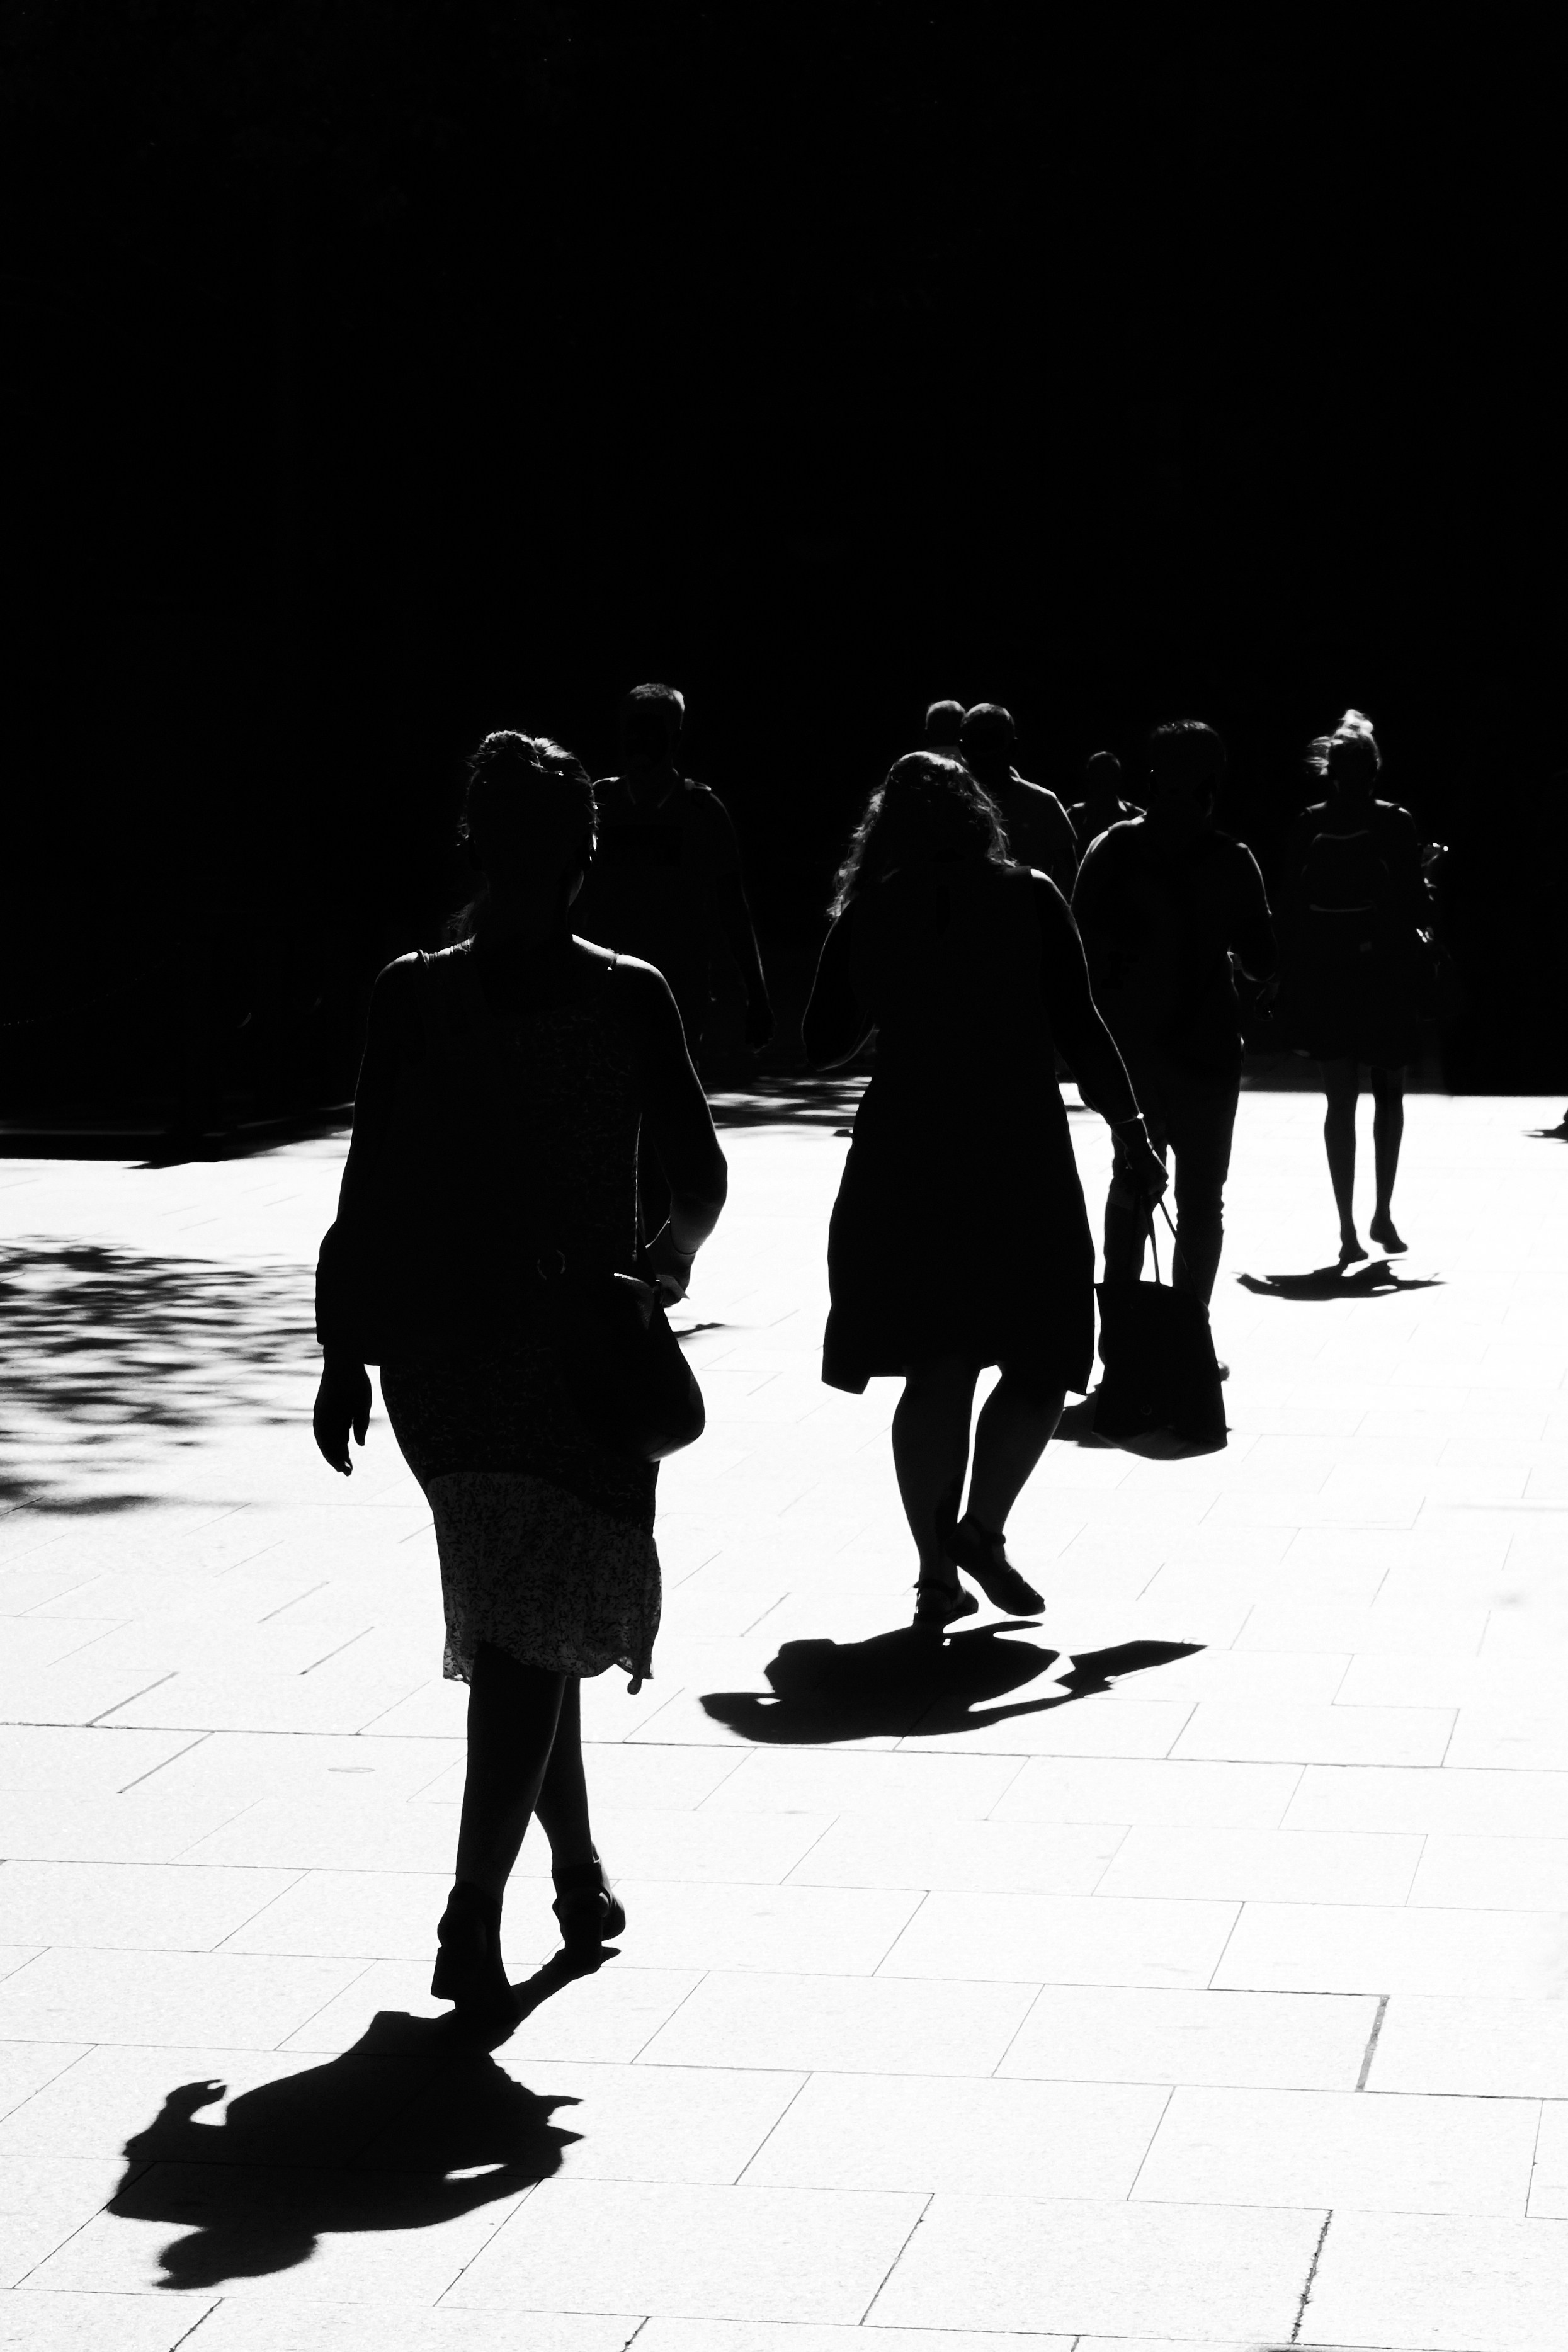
[[627, 1381], [1160, 1395]]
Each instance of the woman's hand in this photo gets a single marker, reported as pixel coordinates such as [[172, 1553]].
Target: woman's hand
[[342, 1403], [670, 1268], [1141, 1167]]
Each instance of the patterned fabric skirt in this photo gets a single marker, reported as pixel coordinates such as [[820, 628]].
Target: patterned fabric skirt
[[545, 1539]]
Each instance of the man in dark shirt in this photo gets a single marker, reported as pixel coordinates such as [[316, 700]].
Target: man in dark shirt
[[667, 883], [1039, 832], [1165, 902]]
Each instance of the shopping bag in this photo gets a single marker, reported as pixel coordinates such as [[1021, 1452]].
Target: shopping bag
[[1160, 1395]]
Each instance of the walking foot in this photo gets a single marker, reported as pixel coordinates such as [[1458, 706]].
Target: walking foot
[[469, 1968], [982, 1553], [1351, 1249], [588, 1911], [1383, 1232], [937, 1602]]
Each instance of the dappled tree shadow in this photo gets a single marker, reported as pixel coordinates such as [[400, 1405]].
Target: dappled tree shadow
[[908, 1682], [413, 2126], [111, 1355], [795, 1101]]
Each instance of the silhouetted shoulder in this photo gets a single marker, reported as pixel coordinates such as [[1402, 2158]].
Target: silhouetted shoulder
[[394, 1002], [1040, 795], [705, 810], [645, 999], [1052, 910], [1108, 848]]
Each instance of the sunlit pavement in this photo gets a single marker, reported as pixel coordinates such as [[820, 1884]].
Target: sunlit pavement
[[1189, 1968]]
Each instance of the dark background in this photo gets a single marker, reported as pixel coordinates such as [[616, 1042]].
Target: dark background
[[382, 373]]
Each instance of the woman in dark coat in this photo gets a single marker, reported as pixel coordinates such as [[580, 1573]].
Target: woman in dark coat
[[1355, 919], [959, 1238], [508, 1086]]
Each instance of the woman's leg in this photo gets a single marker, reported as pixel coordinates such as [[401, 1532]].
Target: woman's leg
[[1341, 1081], [1387, 1134], [513, 1711], [931, 1454], [562, 1802], [1014, 1426]]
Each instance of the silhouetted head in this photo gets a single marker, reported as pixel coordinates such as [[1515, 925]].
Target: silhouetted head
[[651, 720], [1186, 769], [928, 810], [986, 740], [1102, 776], [1348, 759], [944, 723], [528, 819]]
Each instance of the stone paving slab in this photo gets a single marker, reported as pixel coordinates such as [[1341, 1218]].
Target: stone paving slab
[[1187, 1970]]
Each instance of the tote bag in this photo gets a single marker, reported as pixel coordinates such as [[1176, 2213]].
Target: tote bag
[[1160, 1395]]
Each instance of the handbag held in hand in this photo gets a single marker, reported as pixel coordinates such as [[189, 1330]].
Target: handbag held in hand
[[1160, 1395], [629, 1383]]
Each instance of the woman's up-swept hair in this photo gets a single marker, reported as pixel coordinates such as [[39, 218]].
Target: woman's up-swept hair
[[529, 796], [1349, 755], [532, 794], [926, 810]]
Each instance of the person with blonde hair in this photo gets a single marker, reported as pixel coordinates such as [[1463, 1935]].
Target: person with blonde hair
[[959, 1238], [1357, 907]]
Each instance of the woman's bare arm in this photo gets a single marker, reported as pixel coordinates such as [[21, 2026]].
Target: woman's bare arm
[[679, 1126], [836, 1024], [1076, 1023]]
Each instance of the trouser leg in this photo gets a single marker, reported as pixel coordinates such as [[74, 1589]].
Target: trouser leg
[[1201, 1123]]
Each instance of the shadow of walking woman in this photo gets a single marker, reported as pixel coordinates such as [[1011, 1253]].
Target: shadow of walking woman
[[415, 2125], [903, 1683]]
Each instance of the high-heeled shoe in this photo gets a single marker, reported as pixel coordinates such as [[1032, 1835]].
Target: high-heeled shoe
[[982, 1554], [469, 1968], [588, 1909], [938, 1604]]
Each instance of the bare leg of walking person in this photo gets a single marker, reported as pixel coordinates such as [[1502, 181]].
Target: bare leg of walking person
[[513, 1713], [1340, 1079], [1387, 1134], [1013, 1429], [931, 1455], [586, 1904]]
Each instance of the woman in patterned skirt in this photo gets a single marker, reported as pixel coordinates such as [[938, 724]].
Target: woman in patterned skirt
[[508, 1084]]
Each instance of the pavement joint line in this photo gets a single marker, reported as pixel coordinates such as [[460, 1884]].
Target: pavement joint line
[[97, 1723], [1311, 2275], [362, 1635], [291, 1603], [1372, 2039], [898, 2258]]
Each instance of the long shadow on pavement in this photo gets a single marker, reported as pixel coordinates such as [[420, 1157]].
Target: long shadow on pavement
[[911, 1681], [1377, 1279], [413, 2127]]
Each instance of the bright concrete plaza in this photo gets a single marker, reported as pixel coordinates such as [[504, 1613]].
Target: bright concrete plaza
[[1190, 1968]]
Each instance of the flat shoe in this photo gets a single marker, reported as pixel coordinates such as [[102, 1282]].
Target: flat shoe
[[939, 1604], [983, 1558]]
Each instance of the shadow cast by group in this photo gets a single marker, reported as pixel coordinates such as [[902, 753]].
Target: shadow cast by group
[[415, 2125], [1377, 1278], [905, 1683]]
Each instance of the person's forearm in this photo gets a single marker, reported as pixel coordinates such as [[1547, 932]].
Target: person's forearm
[[741, 939], [1094, 1059], [692, 1217]]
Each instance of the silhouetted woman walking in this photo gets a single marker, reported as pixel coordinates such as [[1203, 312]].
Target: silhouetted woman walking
[[959, 1238], [1357, 904], [505, 1086]]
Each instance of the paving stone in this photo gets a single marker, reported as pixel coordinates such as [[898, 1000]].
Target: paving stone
[[1029, 2008]]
